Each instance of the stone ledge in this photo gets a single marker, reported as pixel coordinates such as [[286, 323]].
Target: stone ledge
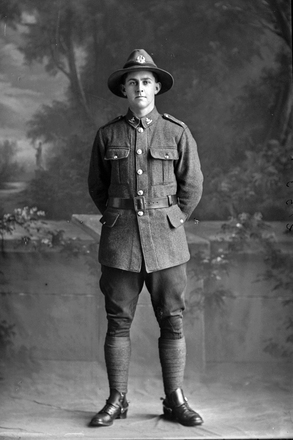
[[89, 224], [87, 228], [199, 236], [211, 231], [41, 229]]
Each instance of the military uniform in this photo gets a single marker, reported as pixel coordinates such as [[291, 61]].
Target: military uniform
[[146, 161], [146, 180]]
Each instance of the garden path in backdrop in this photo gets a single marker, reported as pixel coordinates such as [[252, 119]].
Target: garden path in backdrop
[[12, 196]]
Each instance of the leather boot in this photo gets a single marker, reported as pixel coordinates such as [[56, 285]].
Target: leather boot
[[116, 408], [175, 407]]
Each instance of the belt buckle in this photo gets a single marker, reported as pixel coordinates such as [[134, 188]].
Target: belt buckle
[[139, 203]]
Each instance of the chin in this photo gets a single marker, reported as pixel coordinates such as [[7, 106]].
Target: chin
[[140, 107]]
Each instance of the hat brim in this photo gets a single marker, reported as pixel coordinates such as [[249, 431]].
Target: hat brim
[[165, 78]]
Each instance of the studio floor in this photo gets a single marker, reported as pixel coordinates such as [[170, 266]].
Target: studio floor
[[56, 400]]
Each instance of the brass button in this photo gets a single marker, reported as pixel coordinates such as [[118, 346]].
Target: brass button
[[139, 172], [181, 220], [140, 129], [167, 156], [115, 157], [139, 151], [140, 213], [140, 192]]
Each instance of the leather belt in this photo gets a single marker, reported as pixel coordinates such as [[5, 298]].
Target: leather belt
[[140, 203]]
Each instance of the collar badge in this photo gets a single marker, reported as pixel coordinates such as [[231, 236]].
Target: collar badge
[[140, 59], [132, 120], [148, 121]]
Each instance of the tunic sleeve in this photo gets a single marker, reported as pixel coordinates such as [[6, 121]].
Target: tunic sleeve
[[188, 173], [99, 174]]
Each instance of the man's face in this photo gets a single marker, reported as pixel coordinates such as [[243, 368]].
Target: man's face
[[140, 89]]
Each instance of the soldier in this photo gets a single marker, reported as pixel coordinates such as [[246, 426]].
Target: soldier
[[146, 180]]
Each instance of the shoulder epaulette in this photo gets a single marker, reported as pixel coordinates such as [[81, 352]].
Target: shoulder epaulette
[[171, 118], [112, 121]]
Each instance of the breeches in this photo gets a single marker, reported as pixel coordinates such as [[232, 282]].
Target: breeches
[[166, 287]]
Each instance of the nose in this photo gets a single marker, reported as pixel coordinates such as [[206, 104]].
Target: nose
[[139, 87]]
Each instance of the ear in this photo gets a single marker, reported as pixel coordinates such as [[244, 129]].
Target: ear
[[158, 87], [122, 87]]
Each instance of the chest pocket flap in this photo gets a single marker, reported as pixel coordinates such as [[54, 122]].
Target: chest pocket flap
[[116, 153], [109, 218], [164, 153]]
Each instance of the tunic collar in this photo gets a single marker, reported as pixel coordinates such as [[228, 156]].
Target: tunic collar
[[144, 122]]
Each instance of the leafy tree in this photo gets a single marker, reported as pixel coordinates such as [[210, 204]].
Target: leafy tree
[[210, 57], [273, 16], [259, 161], [9, 11], [63, 187], [9, 168], [257, 184]]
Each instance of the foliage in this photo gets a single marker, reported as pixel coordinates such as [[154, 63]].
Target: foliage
[[9, 11], [37, 236], [243, 233], [247, 230], [207, 275], [213, 269], [229, 108], [209, 271], [9, 168], [63, 187], [26, 218], [279, 273], [258, 183]]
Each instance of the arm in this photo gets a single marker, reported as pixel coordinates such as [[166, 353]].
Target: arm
[[188, 174], [99, 174]]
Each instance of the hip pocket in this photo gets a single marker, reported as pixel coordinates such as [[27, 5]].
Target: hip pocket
[[175, 216], [109, 218]]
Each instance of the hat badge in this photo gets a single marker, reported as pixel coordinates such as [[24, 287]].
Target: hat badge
[[140, 59]]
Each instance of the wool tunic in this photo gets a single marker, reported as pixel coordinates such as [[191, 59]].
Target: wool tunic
[[152, 157]]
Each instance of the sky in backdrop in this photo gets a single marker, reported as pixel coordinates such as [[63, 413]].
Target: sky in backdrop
[[23, 89]]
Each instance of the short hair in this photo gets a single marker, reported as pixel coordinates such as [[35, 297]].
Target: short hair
[[123, 78]]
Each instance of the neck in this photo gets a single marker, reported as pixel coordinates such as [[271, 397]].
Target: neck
[[142, 113]]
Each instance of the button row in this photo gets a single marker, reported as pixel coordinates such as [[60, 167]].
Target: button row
[[139, 172]]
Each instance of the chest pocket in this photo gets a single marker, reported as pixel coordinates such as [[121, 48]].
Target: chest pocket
[[162, 160], [119, 163]]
